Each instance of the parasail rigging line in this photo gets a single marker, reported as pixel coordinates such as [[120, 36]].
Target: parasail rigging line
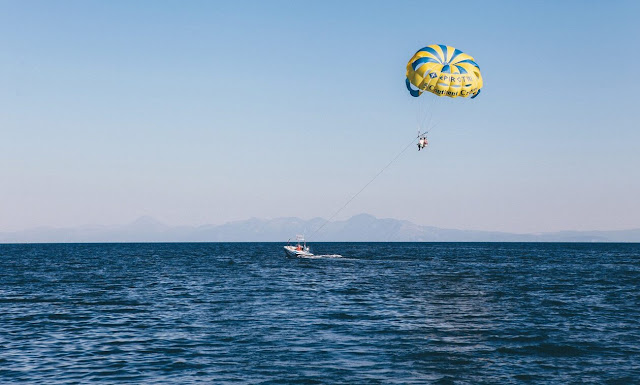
[[365, 186]]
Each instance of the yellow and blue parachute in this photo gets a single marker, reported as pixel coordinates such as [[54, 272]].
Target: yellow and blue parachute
[[444, 71]]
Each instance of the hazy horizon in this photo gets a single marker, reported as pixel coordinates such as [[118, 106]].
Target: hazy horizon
[[148, 219], [207, 112]]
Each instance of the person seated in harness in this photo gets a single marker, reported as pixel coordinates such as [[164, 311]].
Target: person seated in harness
[[422, 143]]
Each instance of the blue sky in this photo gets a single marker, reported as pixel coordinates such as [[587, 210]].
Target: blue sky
[[205, 112]]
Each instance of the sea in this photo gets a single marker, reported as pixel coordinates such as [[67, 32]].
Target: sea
[[357, 313]]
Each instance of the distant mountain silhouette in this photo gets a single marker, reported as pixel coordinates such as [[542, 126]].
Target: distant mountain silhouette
[[360, 228]]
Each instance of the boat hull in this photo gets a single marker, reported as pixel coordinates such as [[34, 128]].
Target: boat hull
[[292, 251]]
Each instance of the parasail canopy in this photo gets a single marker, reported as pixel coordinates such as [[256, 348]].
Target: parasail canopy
[[443, 71]]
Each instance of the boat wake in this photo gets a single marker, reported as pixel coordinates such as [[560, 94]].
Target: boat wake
[[321, 256]]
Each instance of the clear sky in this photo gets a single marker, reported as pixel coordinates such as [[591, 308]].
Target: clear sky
[[199, 112]]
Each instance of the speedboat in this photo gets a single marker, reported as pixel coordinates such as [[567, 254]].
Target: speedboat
[[299, 250]]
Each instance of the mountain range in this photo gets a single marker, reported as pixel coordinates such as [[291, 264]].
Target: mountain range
[[360, 228]]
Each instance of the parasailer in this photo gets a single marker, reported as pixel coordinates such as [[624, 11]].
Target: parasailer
[[443, 71], [422, 142]]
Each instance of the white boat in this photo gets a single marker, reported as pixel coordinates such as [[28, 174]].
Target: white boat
[[299, 250]]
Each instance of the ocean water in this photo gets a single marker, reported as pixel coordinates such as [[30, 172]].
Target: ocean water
[[383, 313]]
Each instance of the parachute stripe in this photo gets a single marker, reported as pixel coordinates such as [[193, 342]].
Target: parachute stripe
[[470, 62], [456, 53], [428, 67], [442, 53], [433, 52], [461, 69], [425, 54], [414, 93], [416, 64], [460, 57], [427, 72], [444, 49]]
